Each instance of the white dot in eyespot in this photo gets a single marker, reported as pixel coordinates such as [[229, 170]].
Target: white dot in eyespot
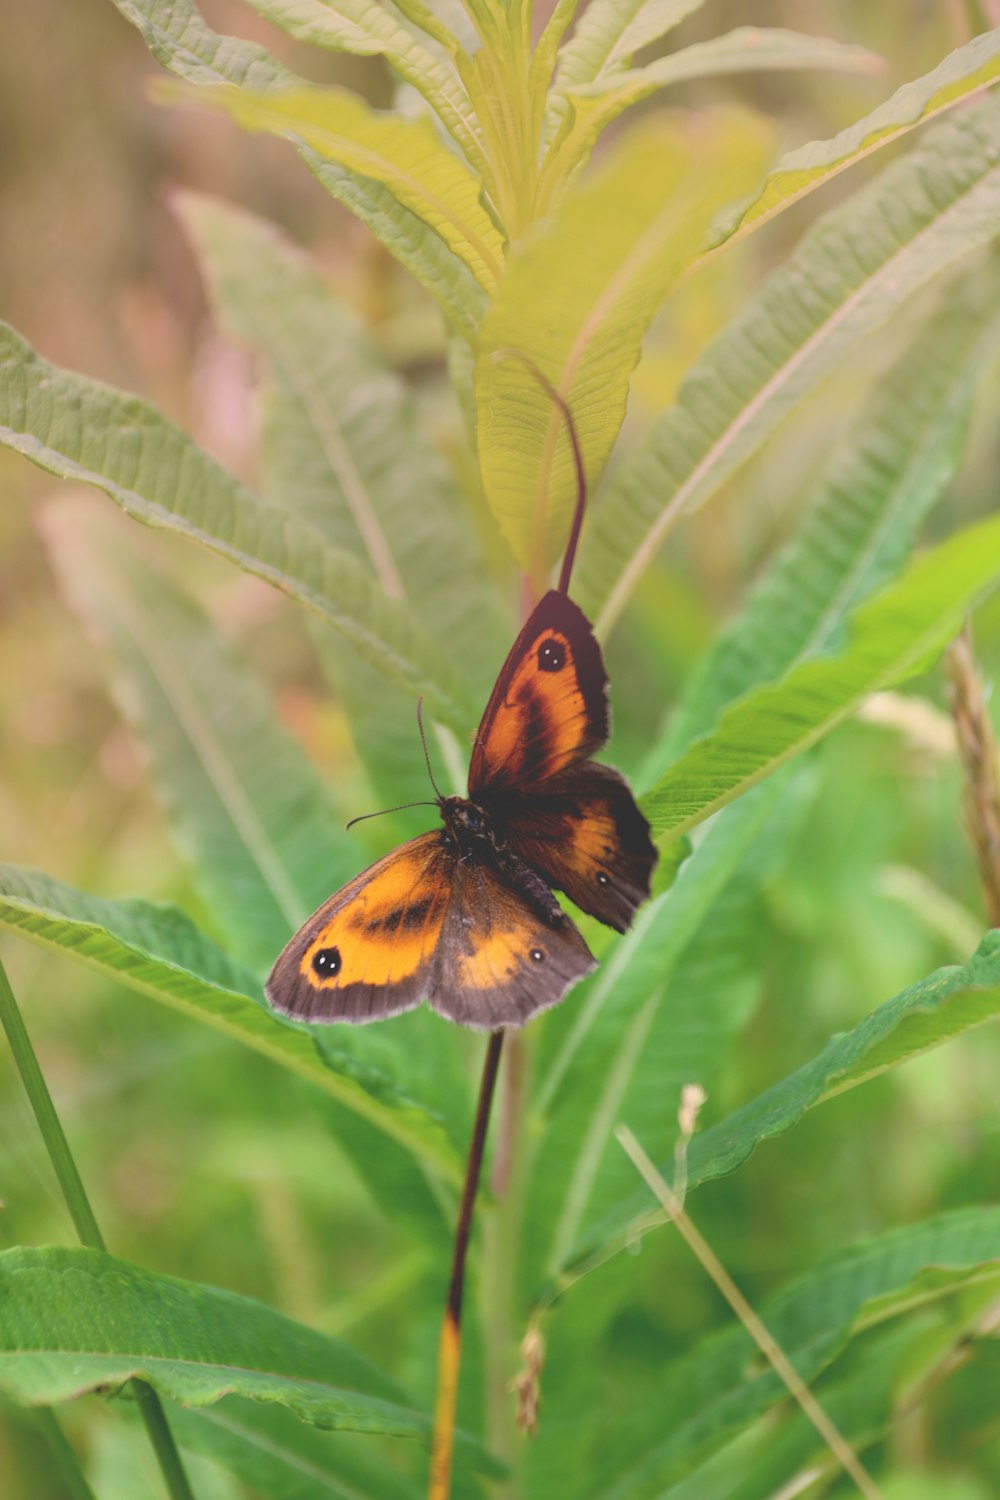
[[537, 955], [602, 879]]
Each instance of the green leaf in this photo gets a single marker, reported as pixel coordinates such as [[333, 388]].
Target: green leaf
[[850, 275], [344, 445], [262, 837], [582, 318], [179, 39], [887, 470], [705, 1398], [891, 637], [367, 29], [610, 32], [595, 105], [944, 1005], [405, 156], [74, 1321], [82, 430], [345, 448], [662, 1012], [957, 78], [276, 1455], [158, 951]]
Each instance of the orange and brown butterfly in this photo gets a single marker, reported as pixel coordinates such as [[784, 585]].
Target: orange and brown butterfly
[[465, 916]]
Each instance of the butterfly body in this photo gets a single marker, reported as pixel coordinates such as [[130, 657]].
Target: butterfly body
[[465, 916]]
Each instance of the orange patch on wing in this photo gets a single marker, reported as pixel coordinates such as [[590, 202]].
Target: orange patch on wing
[[542, 721], [497, 955], [388, 926]]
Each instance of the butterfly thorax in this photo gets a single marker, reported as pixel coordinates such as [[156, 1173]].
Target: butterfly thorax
[[470, 827]]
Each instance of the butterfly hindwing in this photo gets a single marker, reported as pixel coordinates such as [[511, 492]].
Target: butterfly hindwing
[[503, 955], [367, 953], [584, 834], [549, 708]]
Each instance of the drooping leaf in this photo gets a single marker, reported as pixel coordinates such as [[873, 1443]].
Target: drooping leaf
[[158, 951], [957, 78], [263, 839], [367, 29], [723, 1385], [592, 106], [77, 1320], [892, 636], [581, 318], [404, 156], [82, 430], [944, 1005], [178, 38], [851, 273], [885, 472]]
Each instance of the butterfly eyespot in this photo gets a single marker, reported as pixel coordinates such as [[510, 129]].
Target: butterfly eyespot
[[602, 878], [326, 963], [551, 656], [537, 955]]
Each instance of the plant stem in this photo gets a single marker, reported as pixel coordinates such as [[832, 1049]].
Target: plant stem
[[83, 1218], [451, 1326]]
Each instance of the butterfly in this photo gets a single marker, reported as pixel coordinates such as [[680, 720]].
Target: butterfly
[[465, 916]]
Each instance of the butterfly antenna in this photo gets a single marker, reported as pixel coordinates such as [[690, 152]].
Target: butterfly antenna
[[382, 812], [423, 741], [559, 400]]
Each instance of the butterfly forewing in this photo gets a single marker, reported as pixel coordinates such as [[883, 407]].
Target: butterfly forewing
[[367, 953], [549, 708]]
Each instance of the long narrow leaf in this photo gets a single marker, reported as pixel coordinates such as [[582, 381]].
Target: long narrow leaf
[[891, 637], [262, 837], [611, 31], [273, 1453], [850, 275], [344, 447], [179, 38], [957, 78], [405, 156], [717, 1390], [82, 430], [946, 1004], [367, 29], [644, 1027], [158, 951], [885, 472], [595, 105], [73, 1321]]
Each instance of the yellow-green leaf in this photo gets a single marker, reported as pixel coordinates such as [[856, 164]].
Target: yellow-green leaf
[[582, 317], [749, 49], [403, 155], [958, 77], [365, 28]]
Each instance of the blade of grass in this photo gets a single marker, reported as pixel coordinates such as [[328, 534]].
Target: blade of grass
[[82, 1215]]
